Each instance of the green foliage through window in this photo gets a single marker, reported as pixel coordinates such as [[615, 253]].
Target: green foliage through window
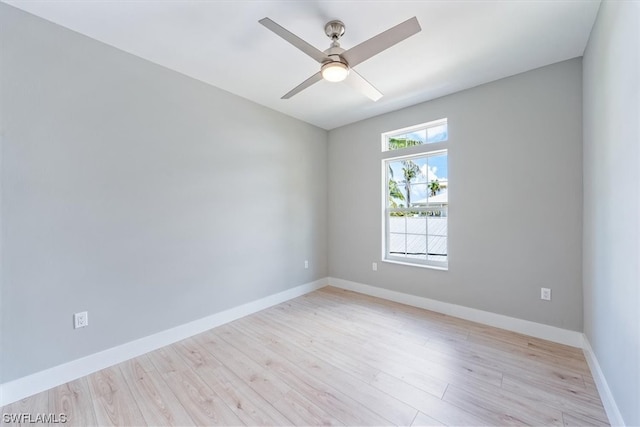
[[398, 143]]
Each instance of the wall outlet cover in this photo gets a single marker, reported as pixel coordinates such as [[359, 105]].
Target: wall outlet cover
[[80, 320], [545, 294]]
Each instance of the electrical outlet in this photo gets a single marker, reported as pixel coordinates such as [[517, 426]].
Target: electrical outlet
[[306, 264], [545, 294], [80, 320], [374, 266]]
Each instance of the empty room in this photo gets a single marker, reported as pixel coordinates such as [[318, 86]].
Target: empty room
[[320, 212]]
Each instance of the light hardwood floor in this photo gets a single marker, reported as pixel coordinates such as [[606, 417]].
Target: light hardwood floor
[[337, 357]]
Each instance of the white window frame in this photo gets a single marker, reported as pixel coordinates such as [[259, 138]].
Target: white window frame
[[424, 150]]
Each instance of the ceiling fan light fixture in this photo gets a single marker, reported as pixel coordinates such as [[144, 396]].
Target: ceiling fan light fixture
[[335, 71]]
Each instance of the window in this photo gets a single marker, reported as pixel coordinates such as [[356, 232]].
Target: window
[[416, 188]]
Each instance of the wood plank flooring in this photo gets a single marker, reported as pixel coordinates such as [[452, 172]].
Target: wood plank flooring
[[334, 357]]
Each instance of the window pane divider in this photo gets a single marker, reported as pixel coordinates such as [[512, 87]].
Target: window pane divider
[[430, 149]]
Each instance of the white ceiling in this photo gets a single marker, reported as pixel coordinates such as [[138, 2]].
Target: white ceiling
[[462, 44]]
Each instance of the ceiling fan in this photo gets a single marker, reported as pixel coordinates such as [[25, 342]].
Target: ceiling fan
[[337, 63]]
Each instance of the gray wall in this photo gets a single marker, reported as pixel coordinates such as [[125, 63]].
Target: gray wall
[[515, 175], [612, 200], [141, 195]]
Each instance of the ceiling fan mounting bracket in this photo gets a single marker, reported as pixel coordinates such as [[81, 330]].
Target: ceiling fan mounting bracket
[[334, 29]]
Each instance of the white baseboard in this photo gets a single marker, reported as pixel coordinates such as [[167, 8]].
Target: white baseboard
[[538, 330], [609, 403], [40, 381]]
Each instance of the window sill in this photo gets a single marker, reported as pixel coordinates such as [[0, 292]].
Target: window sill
[[410, 264]]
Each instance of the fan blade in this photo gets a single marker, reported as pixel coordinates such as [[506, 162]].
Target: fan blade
[[316, 54], [302, 86], [382, 41], [359, 83]]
